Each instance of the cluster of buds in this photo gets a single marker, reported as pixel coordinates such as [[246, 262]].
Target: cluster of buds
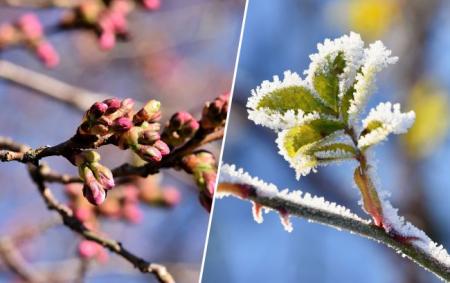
[[180, 128], [113, 121], [96, 177], [108, 19], [214, 113], [85, 213], [29, 31], [203, 166]]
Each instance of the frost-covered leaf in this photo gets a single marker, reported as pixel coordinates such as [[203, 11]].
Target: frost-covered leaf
[[382, 121], [376, 58], [345, 149], [326, 81], [292, 98], [298, 143], [283, 104]]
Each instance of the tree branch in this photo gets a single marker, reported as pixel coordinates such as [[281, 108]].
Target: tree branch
[[75, 225], [242, 186]]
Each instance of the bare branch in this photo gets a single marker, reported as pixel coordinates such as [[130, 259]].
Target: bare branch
[[75, 225]]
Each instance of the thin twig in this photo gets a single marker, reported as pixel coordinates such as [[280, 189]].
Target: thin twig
[[75, 225]]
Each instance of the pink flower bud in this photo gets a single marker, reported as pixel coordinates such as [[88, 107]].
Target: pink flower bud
[[162, 147], [94, 193], [47, 54], [179, 119], [152, 4], [88, 249], [98, 109], [132, 213], [119, 22], [127, 104], [190, 128], [82, 213], [30, 26], [149, 153], [113, 104], [107, 40], [149, 137], [171, 196], [122, 124], [150, 112], [130, 193], [103, 176]]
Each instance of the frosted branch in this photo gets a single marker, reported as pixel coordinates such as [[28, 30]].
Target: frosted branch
[[240, 184]]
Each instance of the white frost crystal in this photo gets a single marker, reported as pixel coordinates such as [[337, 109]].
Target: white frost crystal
[[376, 58], [391, 121], [229, 174]]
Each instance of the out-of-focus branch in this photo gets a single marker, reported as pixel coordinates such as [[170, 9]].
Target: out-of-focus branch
[[15, 262], [40, 3], [77, 97], [75, 225]]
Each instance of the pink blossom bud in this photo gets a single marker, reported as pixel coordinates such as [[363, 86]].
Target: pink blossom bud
[[190, 128], [103, 175], [122, 124], [132, 213], [171, 196], [113, 104], [107, 40], [162, 147], [180, 118], [47, 54], [98, 109], [127, 104], [30, 26], [119, 22], [152, 4], [130, 193], [88, 249], [82, 213], [150, 112], [149, 153], [149, 137], [94, 193], [209, 178]]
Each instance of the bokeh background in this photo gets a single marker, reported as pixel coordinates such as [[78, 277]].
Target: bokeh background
[[279, 35], [182, 55]]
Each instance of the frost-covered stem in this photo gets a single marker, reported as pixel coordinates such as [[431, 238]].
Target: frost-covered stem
[[371, 200], [339, 221]]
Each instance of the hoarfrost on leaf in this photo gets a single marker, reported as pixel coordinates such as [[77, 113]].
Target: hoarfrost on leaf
[[382, 121]]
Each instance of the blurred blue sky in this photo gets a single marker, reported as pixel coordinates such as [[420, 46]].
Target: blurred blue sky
[[279, 35]]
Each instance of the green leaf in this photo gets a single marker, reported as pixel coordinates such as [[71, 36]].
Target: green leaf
[[370, 127], [298, 137], [326, 82], [309, 133], [333, 147], [293, 98], [345, 103]]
